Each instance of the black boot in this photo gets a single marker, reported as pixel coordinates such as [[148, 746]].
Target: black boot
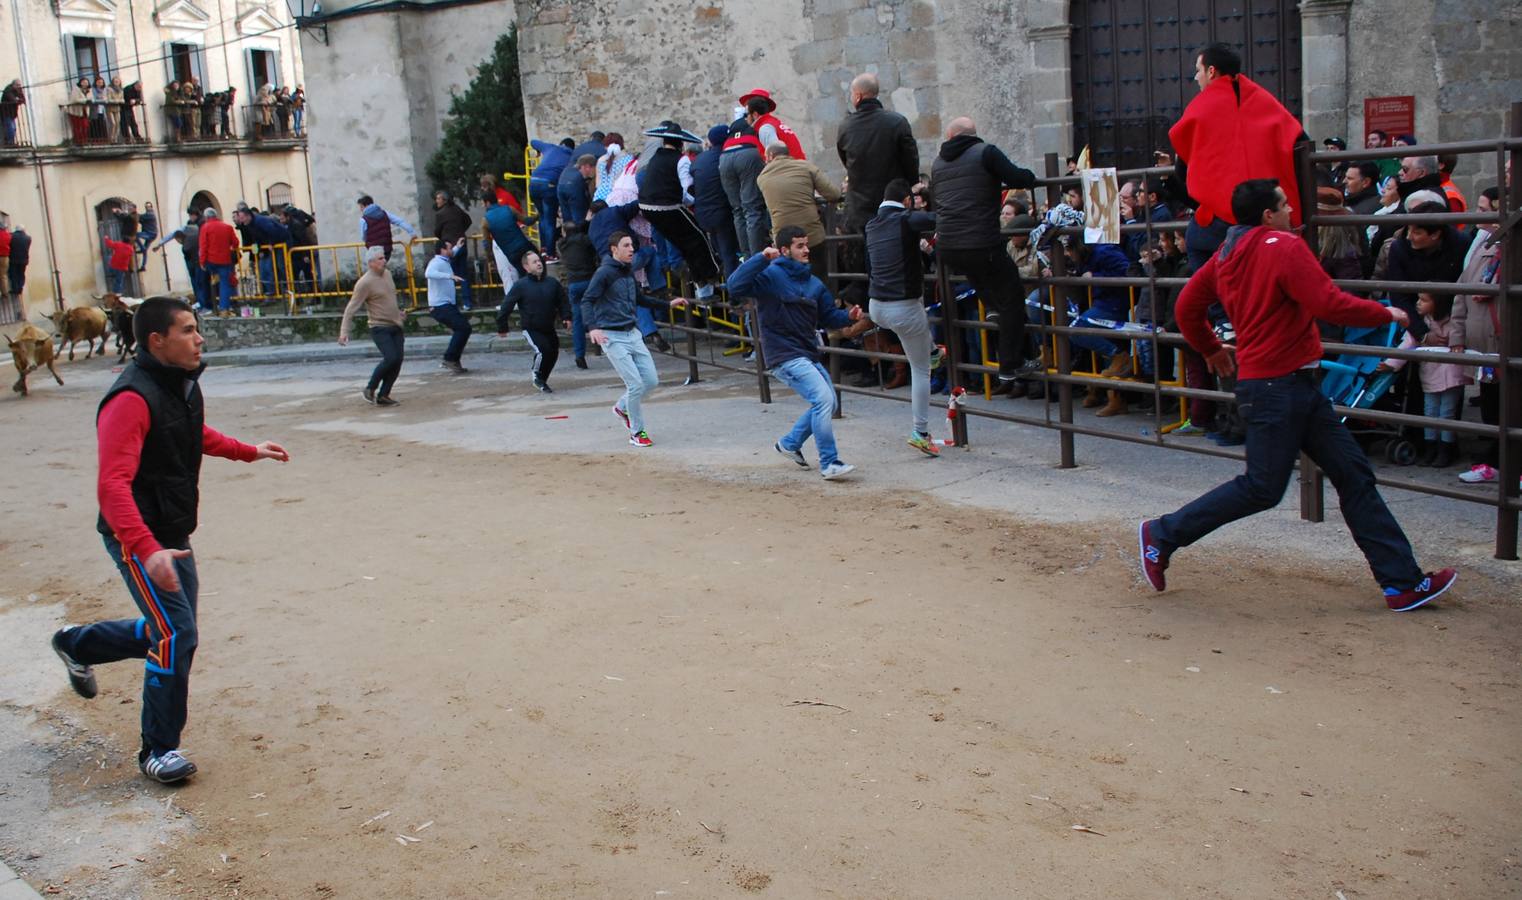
[[1447, 452], [1429, 454]]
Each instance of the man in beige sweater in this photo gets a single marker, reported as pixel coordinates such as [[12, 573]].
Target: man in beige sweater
[[788, 185], [376, 292]]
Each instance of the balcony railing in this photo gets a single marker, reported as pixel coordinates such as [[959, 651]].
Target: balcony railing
[[105, 124], [15, 133], [273, 122], [199, 123]]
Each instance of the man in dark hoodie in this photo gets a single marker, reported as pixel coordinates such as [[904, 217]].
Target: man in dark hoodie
[[791, 306], [967, 177], [711, 204], [608, 311], [578, 262], [1274, 290], [541, 302]]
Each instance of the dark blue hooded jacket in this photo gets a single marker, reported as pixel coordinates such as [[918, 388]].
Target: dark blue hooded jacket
[[791, 306]]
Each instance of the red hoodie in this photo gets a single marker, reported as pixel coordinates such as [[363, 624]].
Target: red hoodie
[[1274, 290], [121, 255]]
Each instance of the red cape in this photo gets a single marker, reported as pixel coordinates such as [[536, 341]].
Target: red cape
[[1225, 142]]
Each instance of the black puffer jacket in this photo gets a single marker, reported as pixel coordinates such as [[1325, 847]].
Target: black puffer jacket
[[895, 266], [967, 176]]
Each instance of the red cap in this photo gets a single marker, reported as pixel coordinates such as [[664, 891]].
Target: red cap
[[763, 94]]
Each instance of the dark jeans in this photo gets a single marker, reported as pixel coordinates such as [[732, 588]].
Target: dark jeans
[[302, 260], [578, 333], [200, 282], [997, 280], [460, 263], [1284, 416], [450, 317], [725, 246], [17, 275], [572, 200], [388, 339], [547, 205], [143, 241], [165, 638]]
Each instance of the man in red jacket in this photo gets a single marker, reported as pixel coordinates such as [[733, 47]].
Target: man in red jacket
[[1274, 290], [152, 434], [219, 253], [119, 260]]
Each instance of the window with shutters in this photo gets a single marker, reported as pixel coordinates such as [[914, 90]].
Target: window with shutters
[[263, 68], [88, 57], [184, 61], [278, 197]]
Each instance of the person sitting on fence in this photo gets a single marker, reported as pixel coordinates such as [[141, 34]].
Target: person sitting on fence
[[1442, 383], [1108, 307], [791, 306], [541, 303], [375, 225]]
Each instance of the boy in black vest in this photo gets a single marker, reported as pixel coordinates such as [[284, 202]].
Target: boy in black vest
[[152, 434]]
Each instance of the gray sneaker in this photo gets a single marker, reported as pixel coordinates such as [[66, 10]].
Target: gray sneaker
[[837, 469], [81, 677], [167, 767], [794, 455]]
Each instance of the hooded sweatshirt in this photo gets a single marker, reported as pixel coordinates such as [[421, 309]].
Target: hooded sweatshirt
[[791, 306], [967, 176], [541, 302], [1273, 290]]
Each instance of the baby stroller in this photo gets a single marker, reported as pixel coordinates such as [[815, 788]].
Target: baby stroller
[[1353, 381]]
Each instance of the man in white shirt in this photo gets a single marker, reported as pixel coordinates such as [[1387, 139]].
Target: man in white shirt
[[441, 305]]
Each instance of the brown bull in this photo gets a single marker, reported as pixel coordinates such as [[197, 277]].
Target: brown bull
[[82, 323], [32, 348]]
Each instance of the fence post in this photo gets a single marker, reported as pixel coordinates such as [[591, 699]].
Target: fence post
[[763, 385], [692, 348], [411, 282], [1312, 479], [953, 335], [1064, 347], [1510, 311]]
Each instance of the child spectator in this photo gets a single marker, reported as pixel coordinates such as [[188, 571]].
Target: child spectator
[[1442, 383]]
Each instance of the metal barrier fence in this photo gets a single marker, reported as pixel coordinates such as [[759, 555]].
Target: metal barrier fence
[[293, 278], [1059, 378]]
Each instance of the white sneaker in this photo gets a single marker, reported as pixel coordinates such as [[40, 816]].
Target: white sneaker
[[794, 455], [837, 469], [1480, 474]]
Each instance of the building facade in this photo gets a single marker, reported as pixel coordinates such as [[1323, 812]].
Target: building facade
[[78, 158], [1039, 76]]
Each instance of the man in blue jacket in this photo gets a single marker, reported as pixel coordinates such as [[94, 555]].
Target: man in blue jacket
[[791, 306], [544, 184]]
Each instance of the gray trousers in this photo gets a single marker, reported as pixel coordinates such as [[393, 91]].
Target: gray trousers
[[907, 319], [738, 170]]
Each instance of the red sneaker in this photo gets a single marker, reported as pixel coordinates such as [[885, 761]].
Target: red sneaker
[[1432, 586], [641, 439], [622, 416], [1154, 562]]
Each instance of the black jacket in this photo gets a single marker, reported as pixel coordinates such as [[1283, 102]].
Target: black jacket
[[611, 298], [166, 488], [710, 203], [541, 303], [967, 176], [21, 248], [1443, 263], [661, 185], [1364, 203], [450, 223], [876, 146], [577, 256], [895, 266]]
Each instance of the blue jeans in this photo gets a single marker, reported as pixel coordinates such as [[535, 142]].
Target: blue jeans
[[450, 317], [460, 264], [224, 273], [812, 383], [547, 205], [578, 334], [164, 638], [1442, 405], [115, 279], [144, 241], [631, 359], [1284, 416], [573, 200], [10, 130], [200, 284]]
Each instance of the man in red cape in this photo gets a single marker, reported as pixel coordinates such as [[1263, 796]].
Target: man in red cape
[[1233, 131]]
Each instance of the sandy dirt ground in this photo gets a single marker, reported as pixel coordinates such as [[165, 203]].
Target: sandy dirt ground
[[432, 669]]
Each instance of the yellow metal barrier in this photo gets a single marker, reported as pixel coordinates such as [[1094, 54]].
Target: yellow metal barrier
[[277, 282]]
